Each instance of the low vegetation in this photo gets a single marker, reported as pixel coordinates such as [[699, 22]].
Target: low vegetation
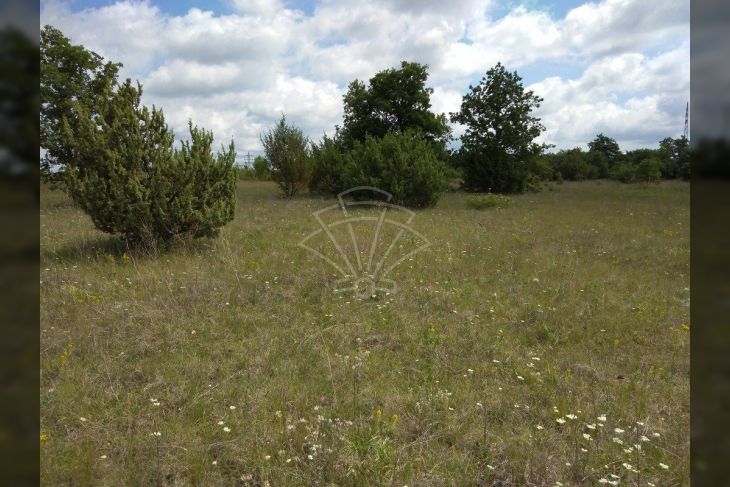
[[546, 342], [489, 200], [543, 344]]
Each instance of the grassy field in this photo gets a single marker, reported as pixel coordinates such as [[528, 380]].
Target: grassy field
[[535, 344]]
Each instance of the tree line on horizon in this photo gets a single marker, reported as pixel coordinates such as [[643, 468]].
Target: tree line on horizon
[[118, 162]]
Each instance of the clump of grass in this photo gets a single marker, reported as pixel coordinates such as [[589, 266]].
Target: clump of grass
[[489, 200]]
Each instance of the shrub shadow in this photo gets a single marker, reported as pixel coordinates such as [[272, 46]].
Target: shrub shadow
[[106, 248]]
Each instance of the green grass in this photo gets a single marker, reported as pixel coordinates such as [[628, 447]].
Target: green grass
[[489, 200], [574, 300]]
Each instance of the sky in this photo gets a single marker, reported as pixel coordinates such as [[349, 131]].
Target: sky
[[619, 67]]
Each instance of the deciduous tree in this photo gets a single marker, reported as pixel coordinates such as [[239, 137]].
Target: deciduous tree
[[70, 76], [499, 141], [394, 101]]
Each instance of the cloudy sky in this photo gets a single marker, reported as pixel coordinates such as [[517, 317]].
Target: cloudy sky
[[620, 67]]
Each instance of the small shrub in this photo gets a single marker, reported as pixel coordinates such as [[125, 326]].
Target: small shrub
[[287, 150], [261, 171], [402, 164], [128, 178], [489, 200]]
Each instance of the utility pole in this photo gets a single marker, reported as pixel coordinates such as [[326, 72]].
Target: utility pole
[[686, 122]]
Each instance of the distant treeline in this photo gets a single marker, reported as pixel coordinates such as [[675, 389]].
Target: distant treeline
[[604, 159]]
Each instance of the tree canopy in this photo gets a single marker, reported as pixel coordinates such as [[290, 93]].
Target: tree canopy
[[499, 141], [70, 74], [393, 101], [607, 147]]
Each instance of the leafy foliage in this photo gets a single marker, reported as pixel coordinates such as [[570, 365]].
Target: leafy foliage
[[394, 101], [126, 176], [401, 164], [394, 106], [623, 171], [572, 164], [498, 144], [649, 170], [329, 160], [605, 160], [287, 150], [608, 148], [261, 169], [675, 157], [70, 76]]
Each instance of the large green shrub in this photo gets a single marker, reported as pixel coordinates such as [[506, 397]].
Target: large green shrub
[[128, 178], [572, 164], [287, 150], [623, 171], [401, 164], [329, 160], [649, 170]]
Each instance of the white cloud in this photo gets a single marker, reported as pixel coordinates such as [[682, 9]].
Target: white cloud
[[633, 97], [236, 73]]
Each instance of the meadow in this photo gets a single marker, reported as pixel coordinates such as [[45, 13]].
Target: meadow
[[543, 343]]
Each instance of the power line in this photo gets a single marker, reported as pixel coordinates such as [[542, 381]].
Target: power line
[[247, 159]]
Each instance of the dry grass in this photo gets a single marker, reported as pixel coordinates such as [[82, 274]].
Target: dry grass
[[573, 301]]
